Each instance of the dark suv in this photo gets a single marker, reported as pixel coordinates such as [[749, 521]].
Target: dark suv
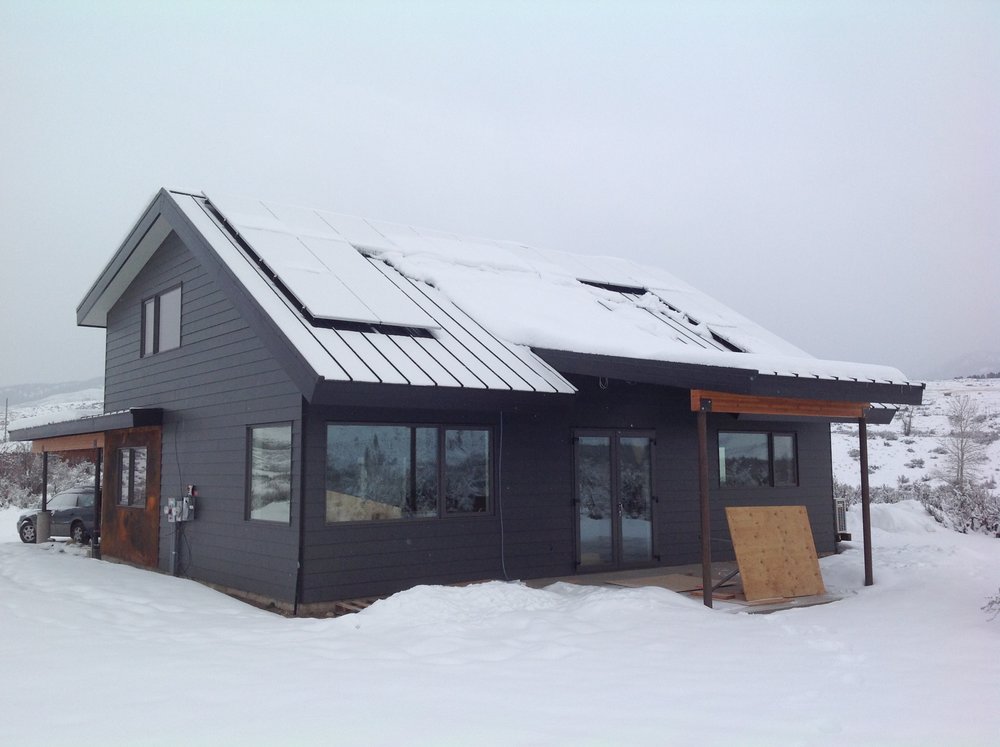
[[72, 516]]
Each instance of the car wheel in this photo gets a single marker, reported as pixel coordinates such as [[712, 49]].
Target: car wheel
[[27, 532], [77, 533]]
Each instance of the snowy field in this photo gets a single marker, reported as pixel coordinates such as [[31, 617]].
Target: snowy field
[[101, 654], [893, 454]]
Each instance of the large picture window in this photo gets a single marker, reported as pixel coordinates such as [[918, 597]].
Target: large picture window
[[132, 477], [269, 494], [161, 322], [376, 472], [757, 459]]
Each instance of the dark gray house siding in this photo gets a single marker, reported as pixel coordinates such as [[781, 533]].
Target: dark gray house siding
[[531, 532], [218, 382]]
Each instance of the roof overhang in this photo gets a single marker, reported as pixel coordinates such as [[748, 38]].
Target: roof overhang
[[731, 380], [139, 245], [85, 433]]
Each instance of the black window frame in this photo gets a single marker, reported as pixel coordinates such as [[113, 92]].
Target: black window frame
[[147, 347], [770, 460], [248, 492], [128, 499], [442, 511]]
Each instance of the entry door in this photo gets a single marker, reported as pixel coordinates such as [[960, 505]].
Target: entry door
[[614, 498], [130, 499]]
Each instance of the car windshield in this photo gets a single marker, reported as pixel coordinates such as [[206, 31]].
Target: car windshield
[[63, 500]]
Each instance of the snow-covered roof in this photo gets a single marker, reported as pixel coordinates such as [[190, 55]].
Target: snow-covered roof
[[523, 295], [376, 302]]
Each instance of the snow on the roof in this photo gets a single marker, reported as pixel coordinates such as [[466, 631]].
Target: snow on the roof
[[458, 353], [534, 298], [66, 415]]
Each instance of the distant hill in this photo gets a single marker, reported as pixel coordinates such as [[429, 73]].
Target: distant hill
[[20, 394], [979, 363]]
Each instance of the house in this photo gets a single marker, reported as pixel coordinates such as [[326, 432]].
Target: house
[[357, 407]]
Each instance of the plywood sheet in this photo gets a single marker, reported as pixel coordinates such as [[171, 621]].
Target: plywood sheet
[[775, 551]]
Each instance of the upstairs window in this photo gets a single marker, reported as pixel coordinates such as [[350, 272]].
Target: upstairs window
[[756, 460], [378, 472], [161, 322]]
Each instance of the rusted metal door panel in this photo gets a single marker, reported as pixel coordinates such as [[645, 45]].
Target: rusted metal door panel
[[130, 528]]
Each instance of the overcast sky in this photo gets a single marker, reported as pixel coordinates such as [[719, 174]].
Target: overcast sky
[[831, 170]]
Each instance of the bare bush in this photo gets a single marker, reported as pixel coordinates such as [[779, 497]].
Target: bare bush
[[21, 475], [965, 445]]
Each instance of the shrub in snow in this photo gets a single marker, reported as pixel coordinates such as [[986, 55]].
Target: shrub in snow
[[974, 508], [21, 476], [992, 607]]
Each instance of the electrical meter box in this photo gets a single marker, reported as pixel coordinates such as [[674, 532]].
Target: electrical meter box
[[179, 509]]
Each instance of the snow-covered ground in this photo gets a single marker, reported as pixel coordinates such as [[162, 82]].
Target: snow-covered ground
[[98, 653], [892, 454], [95, 653]]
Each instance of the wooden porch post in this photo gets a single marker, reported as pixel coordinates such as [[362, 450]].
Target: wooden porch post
[[866, 502], [706, 516], [95, 538], [45, 481]]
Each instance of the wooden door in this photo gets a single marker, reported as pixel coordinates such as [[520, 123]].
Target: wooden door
[[130, 510]]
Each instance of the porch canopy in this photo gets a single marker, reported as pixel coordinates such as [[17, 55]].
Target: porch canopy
[[760, 395]]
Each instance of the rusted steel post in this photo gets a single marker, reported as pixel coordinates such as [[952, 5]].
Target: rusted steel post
[[866, 501], [45, 481], [95, 538], [706, 516]]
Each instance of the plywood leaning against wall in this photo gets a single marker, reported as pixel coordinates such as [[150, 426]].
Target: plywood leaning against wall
[[775, 551]]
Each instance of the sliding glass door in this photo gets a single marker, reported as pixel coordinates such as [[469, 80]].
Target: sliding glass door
[[614, 498]]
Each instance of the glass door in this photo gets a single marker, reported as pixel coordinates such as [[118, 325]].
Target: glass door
[[614, 497]]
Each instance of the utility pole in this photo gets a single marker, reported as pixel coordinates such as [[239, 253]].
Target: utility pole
[[6, 403]]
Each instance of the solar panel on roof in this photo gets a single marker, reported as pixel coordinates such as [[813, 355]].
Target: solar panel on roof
[[326, 275], [388, 304]]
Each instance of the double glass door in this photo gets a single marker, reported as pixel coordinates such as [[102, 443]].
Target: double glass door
[[614, 497]]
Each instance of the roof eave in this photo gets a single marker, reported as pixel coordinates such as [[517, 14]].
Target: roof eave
[[145, 237], [730, 379], [135, 417]]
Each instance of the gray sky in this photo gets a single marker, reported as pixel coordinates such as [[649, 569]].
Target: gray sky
[[831, 170]]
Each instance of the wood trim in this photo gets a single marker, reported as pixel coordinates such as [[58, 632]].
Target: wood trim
[[758, 405], [80, 442]]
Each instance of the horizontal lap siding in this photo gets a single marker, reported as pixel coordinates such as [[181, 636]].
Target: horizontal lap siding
[[220, 380], [374, 558], [537, 536], [814, 491]]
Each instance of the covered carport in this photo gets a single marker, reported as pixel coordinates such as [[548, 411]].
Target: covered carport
[[124, 526]]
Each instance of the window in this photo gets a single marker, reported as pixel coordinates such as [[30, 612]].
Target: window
[[376, 472], [757, 459], [161, 322], [269, 494], [132, 477]]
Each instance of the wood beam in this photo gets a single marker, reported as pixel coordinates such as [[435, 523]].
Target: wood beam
[[757, 405], [80, 442]]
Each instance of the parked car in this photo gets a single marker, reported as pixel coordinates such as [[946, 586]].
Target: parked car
[[72, 516]]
